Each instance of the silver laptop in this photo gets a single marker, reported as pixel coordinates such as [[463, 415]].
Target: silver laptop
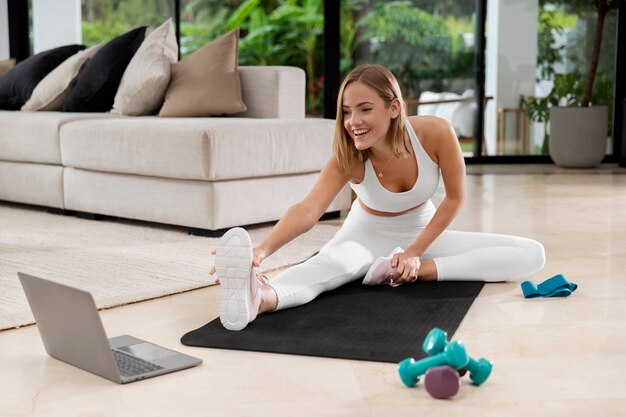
[[72, 331]]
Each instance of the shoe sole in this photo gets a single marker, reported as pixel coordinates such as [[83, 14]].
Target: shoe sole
[[234, 265]]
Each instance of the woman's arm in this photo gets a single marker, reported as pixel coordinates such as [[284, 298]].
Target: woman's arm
[[301, 217], [450, 159], [452, 166]]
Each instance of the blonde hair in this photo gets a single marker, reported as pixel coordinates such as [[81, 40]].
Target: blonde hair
[[385, 84]]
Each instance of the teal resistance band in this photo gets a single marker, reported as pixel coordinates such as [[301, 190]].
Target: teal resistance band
[[557, 286]]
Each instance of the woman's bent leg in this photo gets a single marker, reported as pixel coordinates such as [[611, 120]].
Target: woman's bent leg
[[467, 256], [362, 239]]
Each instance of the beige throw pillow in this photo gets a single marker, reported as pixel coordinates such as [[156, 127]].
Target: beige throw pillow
[[52, 90], [147, 76], [206, 83], [5, 66]]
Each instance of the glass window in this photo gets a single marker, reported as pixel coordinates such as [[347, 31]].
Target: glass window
[[103, 20], [565, 46], [201, 21], [273, 32]]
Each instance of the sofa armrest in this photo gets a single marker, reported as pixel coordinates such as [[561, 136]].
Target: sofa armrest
[[273, 92]]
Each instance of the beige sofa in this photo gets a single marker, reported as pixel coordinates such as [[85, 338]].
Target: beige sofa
[[208, 174]]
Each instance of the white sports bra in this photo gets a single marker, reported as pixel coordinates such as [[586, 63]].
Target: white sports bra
[[371, 192]]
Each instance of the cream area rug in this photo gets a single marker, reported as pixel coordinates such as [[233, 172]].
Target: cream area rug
[[118, 261]]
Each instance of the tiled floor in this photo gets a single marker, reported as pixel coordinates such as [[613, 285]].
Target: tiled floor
[[552, 357]]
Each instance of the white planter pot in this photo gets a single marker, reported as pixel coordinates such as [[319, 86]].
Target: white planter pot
[[578, 135]]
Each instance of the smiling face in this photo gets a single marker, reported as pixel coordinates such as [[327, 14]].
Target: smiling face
[[366, 116]]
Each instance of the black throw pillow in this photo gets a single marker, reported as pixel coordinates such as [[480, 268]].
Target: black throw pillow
[[97, 83], [17, 85]]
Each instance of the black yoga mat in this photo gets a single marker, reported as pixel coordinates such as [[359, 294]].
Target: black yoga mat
[[373, 323]]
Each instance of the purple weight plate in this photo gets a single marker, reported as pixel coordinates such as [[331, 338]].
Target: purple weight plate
[[442, 382]]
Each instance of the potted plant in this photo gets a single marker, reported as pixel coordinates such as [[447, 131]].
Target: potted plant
[[578, 132], [578, 112]]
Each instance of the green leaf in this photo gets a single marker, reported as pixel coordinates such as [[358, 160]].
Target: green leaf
[[312, 6], [241, 14], [258, 19], [311, 20], [285, 12]]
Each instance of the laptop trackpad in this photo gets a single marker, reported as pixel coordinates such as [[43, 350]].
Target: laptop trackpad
[[147, 351]]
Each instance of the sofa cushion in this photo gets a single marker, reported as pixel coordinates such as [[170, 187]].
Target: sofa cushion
[[273, 92], [459, 114], [203, 204], [51, 92], [206, 83], [201, 149], [97, 84], [428, 109], [464, 119], [34, 136], [147, 76], [39, 184], [17, 85]]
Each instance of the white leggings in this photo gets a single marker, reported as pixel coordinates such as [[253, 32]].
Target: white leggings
[[364, 237]]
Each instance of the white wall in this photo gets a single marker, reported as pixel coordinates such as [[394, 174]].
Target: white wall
[[5, 52], [56, 23], [511, 57]]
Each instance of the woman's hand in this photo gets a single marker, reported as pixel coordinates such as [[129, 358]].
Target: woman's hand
[[258, 255], [407, 268]]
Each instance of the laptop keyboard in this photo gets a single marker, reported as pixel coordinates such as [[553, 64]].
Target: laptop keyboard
[[131, 365]]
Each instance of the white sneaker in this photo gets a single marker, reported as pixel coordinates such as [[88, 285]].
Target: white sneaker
[[241, 295], [381, 272]]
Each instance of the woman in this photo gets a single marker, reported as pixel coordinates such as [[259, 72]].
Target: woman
[[393, 234]]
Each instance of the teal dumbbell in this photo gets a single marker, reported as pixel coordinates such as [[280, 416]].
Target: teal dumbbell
[[436, 342], [453, 355]]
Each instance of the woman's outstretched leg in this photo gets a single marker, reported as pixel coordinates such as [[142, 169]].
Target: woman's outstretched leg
[[346, 257]]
